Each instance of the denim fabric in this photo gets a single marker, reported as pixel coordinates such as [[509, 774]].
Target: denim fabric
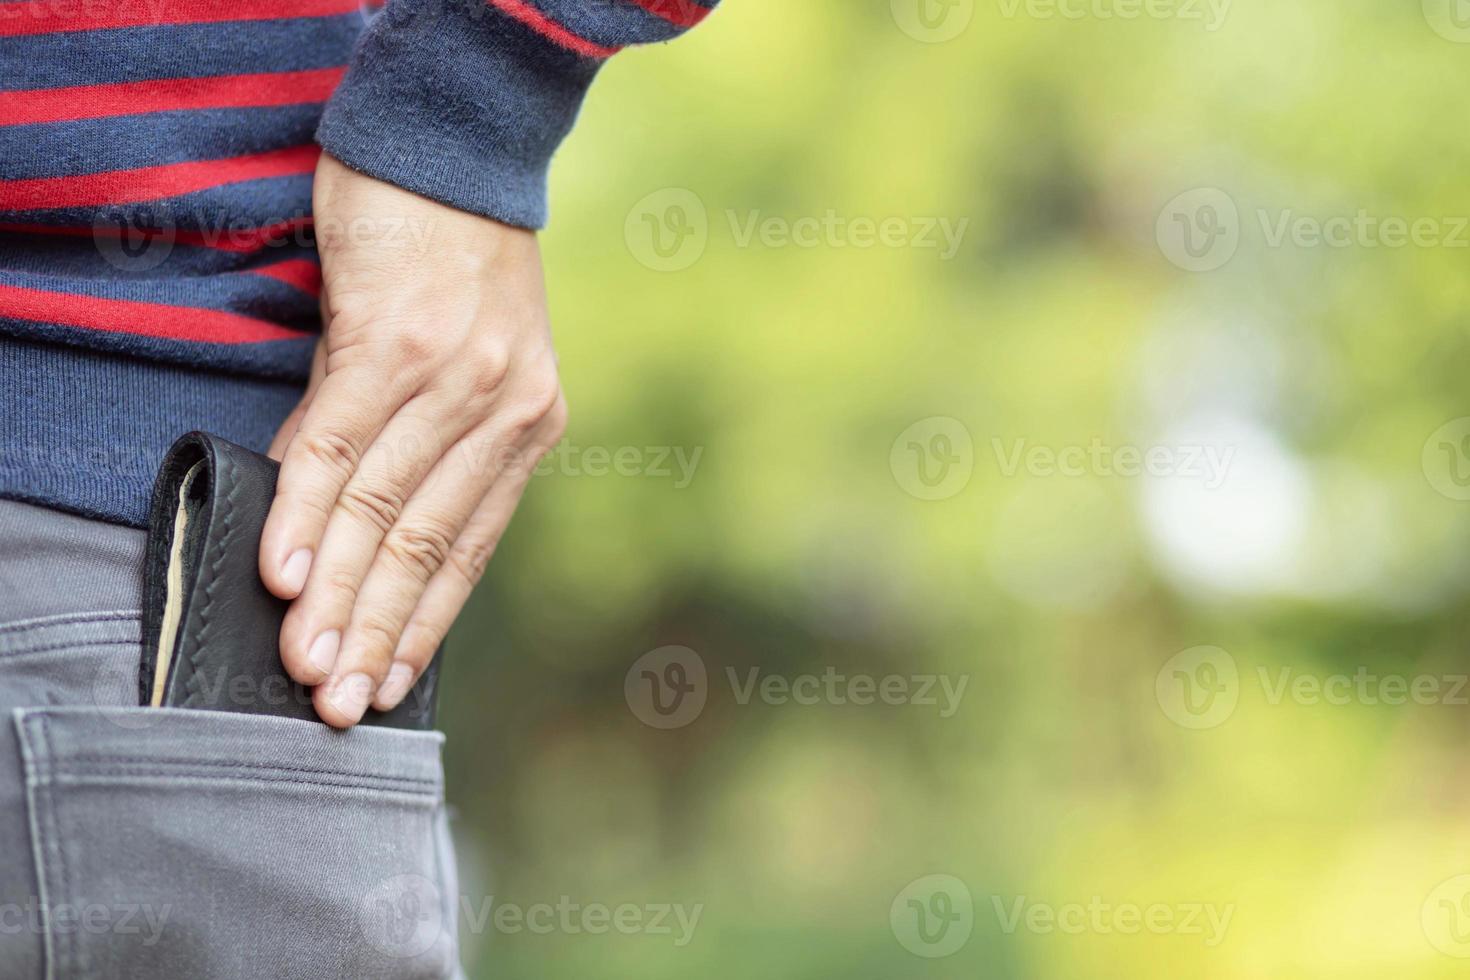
[[148, 843]]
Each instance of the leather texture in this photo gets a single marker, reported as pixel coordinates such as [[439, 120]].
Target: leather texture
[[226, 655]]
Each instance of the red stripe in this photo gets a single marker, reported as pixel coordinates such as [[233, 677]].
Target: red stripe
[[153, 183], [21, 17], [223, 240], [680, 13], [550, 29], [167, 94], [146, 319], [304, 274]]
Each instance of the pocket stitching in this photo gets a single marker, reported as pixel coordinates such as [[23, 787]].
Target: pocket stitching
[[77, 765], [58, 953], [68, 619], [104, 776], [9, 655], [133, 760]]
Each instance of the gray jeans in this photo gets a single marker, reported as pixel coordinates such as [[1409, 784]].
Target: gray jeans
[[158, 843]]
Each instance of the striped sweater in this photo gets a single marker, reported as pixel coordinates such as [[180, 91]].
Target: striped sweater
[[157, 266]]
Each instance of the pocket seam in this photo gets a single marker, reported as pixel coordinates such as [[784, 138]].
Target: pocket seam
[[228, 772], [69, 619], [48, 848], [9, 655], [140, 760]]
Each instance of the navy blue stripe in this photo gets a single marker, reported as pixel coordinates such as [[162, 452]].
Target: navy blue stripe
[[246, 293], [288, 360], [105, 257], [177, 51], [90, 146]]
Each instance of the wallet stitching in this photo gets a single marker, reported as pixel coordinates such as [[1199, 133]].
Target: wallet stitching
[[221, 552]]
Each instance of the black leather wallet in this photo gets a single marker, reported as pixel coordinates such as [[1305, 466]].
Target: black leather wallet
[[210, 627]]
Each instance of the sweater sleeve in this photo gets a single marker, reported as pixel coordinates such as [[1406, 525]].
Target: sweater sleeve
[[465, 101]]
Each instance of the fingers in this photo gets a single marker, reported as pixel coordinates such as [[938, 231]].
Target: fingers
[[439, 323], [369, 674], [342, 418], [448, 591], [394, 467], [444, 535]]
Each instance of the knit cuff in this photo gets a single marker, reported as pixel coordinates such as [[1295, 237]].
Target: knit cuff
[[456, 101]]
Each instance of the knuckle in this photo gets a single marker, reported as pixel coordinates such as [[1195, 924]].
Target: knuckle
[[488, 366], [485, 382], [331, 450], [344, 583], [470, 559], [412, 349], [374, 506], [420, 550], [542, 392], [536, 400]]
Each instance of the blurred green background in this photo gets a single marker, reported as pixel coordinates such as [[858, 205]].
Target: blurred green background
[[1165, 461]]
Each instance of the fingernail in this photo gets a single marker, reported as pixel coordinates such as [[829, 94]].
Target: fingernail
[[293, 572], [394, 687], [350, 696], [323, 652]]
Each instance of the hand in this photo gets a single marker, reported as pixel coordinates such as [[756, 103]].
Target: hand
[[433, 394]]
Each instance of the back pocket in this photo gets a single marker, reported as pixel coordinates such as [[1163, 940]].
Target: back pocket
[[173, 843]]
